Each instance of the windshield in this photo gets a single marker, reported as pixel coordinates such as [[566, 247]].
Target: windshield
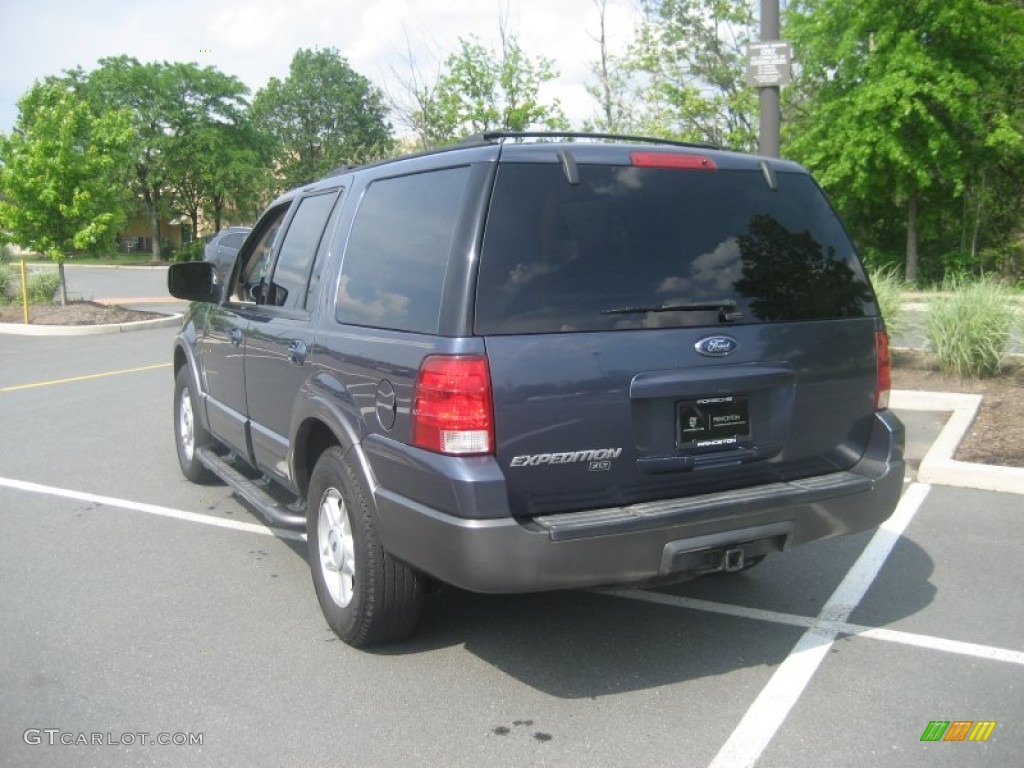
[[559, 257]]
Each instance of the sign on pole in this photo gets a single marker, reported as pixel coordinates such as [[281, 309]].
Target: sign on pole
[[769, 64]]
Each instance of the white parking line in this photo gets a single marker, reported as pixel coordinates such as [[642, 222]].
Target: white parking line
[[152, 509], [930, 642], [758, 726]]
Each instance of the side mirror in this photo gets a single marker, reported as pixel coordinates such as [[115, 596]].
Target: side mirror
[[193, 281], [256, 290]]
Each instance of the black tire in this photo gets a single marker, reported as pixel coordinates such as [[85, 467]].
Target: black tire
[[189, 441], [367, 596]]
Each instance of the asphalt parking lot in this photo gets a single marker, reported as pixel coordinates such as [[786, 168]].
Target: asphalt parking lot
[[139, 608]]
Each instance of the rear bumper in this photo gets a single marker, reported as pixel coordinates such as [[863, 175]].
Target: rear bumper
[[644, 542]]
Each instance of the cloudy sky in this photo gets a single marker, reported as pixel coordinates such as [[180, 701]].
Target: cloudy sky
[[255, 39]]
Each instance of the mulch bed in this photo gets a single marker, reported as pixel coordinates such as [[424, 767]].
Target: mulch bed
[[74, 313]]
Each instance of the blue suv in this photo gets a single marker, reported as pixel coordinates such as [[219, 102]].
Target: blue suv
[[534, 362]]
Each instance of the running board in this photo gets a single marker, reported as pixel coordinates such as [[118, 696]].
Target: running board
[[272, 510]]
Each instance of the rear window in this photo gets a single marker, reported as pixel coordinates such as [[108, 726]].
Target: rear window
[[625, 245]]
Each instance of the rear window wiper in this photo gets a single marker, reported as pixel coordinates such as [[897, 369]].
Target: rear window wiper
[[726, 308]]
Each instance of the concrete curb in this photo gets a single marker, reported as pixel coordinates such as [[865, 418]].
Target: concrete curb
[[67, 264], [938, 466], [20, 329]]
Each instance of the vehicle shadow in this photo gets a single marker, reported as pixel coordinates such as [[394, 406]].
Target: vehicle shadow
[[589, 644]]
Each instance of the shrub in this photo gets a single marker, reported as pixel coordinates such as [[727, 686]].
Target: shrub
[[42, 286], [970, 327], [889, 288], [7, 283], [1007, 260], [190, 252], [878, 259], [936, 269]]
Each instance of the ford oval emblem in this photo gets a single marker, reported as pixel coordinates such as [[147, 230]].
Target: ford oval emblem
[[717, 346]]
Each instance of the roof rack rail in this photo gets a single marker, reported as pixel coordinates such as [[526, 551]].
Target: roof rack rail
[[342, 169], [490, 137]]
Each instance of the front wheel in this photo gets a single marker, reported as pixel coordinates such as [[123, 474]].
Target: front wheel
[[189, 433], [366, 595]]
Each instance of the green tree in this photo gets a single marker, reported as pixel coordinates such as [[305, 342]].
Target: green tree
[[240, 173], [688, 67], [414, 102], [612, 89], [217, 168], [175, 109], [323, 115], [123, 83], [895, 104], [480, 89], [992, 229], [207, 134], [63, 174]]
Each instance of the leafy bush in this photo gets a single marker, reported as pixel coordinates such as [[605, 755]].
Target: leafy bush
[[889, 287], [955, 266], [7, 283], [1007, 260], [878, 259], [970, 327], [42, 286], [190, 252]]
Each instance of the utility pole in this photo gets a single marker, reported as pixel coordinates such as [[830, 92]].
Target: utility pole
[[770, 120]]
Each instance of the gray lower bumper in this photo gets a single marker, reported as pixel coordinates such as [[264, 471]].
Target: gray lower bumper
[[643, 541]]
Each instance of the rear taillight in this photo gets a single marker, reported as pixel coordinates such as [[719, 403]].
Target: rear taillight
[[452, 408], [883, 367], [673, 160]]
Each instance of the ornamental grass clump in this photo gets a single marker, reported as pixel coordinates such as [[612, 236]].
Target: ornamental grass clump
[[969, 326], [42, 286], [889, 292]]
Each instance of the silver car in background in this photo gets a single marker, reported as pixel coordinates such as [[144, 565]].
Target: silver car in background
[[222, 249]]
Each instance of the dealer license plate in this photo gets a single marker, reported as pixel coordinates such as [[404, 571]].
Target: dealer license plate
[[712, 422]]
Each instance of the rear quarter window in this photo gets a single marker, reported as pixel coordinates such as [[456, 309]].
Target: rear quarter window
[[393, 271], [559, 257]]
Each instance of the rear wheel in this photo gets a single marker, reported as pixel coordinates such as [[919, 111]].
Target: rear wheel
[[189, 433], [366, 595]]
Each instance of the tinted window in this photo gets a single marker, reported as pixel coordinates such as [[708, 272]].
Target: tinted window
[[561, 257], [250, 279], [298, 250], [233, 241], [393, 272]]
